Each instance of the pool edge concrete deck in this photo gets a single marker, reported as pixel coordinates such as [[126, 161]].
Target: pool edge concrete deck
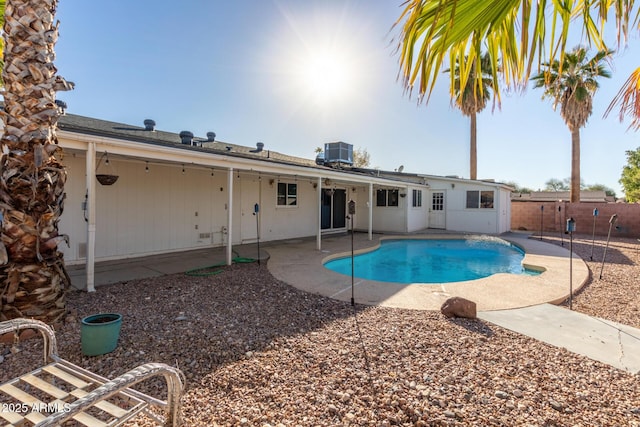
[[300, 264]]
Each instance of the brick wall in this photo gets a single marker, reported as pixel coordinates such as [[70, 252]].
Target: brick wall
[[553, 218]]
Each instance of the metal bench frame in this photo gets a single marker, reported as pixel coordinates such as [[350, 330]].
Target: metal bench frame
[[72, 391]]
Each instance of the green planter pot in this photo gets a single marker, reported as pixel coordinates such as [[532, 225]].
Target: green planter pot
[[99, 333]]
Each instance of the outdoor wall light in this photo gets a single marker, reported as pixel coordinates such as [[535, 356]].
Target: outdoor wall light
[[403, 195], [146, 168], [271, 181]]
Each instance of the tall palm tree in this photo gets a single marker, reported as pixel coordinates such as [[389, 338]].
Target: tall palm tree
[[471, 98], [572, 84], [32, 177], [521, 34]]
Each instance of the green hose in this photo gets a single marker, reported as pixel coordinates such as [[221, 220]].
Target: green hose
[[204, 271]]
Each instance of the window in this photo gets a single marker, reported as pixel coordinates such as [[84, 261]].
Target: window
[[486, 199], [480, 199], [417, 198], [387, 198], [287, 194], [437, 201]]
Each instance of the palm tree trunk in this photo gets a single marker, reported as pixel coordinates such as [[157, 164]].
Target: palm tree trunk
[[574, 194], [32, 269], [473, 149]]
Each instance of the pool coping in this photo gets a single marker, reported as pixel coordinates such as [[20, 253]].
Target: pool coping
[[300, 264]]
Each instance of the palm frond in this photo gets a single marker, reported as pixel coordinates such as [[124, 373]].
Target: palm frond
[[519, 34], [627, 100]]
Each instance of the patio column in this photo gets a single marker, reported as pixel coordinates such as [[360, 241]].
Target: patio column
[[319, 232], [90, 165], [370, 204], [230, 217]]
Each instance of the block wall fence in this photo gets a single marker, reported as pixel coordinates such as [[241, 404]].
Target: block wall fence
[[553, 217]]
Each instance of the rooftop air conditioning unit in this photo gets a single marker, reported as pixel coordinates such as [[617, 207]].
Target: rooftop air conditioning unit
[[338, 153]]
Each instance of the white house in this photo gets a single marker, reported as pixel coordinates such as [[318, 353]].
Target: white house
[[175, 192]]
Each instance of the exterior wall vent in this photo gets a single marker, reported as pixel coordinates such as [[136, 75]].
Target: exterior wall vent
[[259, 147], [62, 106], [149, 124], [186, 137]]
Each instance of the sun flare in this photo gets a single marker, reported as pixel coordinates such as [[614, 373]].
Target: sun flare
[[320, 62], [325, 76]]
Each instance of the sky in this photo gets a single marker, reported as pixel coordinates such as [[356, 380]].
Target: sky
[[297, 74]]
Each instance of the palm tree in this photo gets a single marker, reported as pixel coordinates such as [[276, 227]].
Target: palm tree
[[521, 34], [572, 84], [470, 102], [32, 177]]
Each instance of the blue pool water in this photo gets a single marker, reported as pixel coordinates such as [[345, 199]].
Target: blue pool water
[[434, 260]]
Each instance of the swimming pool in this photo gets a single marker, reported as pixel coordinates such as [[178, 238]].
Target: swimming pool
[[434, 260]]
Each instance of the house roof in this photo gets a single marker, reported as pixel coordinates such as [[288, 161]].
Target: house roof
[[91, 126]]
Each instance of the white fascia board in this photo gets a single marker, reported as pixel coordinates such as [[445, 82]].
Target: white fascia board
[[466, 181], [151, 152]]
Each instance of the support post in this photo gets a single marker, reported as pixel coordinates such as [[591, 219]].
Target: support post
[[571, 226], [612, 221], [352, 212], [593, 232], [319, 231], [230, 217], [370, 204], [90, 207], [541, 219]]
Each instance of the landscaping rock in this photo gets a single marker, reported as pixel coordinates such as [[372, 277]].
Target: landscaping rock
[[459, 307]]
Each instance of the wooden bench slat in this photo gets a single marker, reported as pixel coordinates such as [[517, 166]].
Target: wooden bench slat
[[21, 395], [35, 417], [43, 385], [89, 420], [73, 380], [12, 417], [106, 406]]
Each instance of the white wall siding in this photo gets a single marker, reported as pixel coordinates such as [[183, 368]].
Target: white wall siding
[[417, 217], [390, 218], [146, 212], [287, 222], [72, 222], [474, 220]]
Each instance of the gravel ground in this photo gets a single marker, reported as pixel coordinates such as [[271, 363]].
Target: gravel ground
[[257, 352]]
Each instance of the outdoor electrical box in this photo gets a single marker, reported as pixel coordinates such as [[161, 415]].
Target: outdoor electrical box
[[352, 207], [256, 208], [595, 212], [571, 225]]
